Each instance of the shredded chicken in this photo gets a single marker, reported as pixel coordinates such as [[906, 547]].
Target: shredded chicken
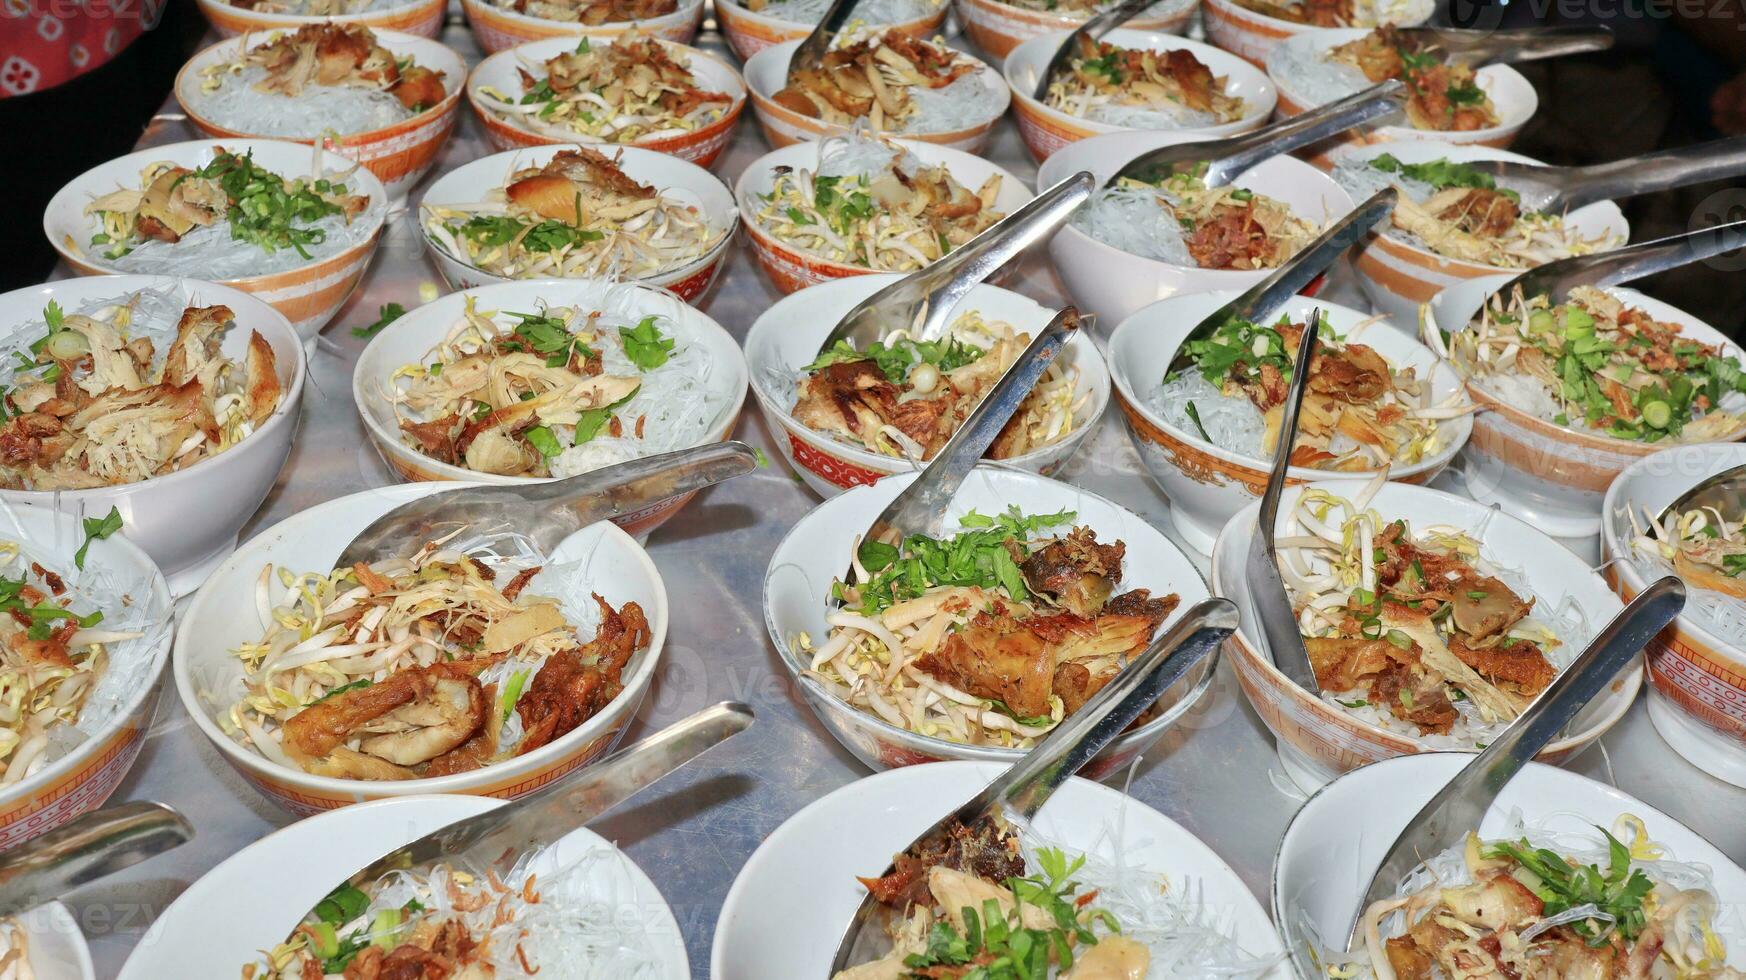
[[1441, 95], [1104, 75], [871, 78], [330, 54], [631, 89]]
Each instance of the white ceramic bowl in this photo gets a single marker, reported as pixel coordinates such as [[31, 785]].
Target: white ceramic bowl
[[1251, 35], [1318, 740], [1207, 483], [1047, 130], [409, 339], [497, 28], [786, 338], [792, 268], [1398, 276], [1114, 284], [683, 181], [1697, 666], [121, 706], [305, 860], [505, 131], [791, 901], [996, 27], [209, 676], [308, 295], [177, 518], [1337, 839], [767, 73], [749, 31], [399, 154], [57, 948], [1550, 475], [421, 17], [813, 554], [1512, 97]]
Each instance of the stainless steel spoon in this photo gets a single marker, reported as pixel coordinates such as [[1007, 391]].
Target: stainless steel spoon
[[811, 50], [922, 301], [1095, 27], [1261, 570], [1560, 189], [921, 507], [1724, 493], [1460, 806], [1023, 789], [1556, 279], [1513, 46], [496, 839], [547, 513], [1259, 302], [86, 848], [1224, 159]]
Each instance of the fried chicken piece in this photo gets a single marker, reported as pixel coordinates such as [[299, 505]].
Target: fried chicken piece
[[1415, 695], [982, 849], [996, 657], [1519, 666], [1076, 572], [412, 716], [1477, 211], [1344, 663], [573, 685], [850, 398]]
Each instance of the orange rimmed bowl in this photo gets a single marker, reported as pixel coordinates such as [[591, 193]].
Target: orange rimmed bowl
[[506, 131], [399, 154], [792, 268], [1317, 738], [1398, 275], [421, 17], [750, 31], [409, 339], [497, 28], [1046, 130], [1207, 483], [223, 616], [1252, 35], [1552, 475], [767, 73], [996, 27], [308, 295], [120, 708], [1697, 665]]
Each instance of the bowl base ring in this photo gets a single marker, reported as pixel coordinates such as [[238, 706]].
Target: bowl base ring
[[186, 579], [1714, 754], [1303, 771]]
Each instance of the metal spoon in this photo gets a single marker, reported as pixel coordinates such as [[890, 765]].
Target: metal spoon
[[86, 848], [495, 840], [1460, 806], [1479, 48], [1560, 189], [811, 51], [1224, 159], [921, 301], [921, 507], [1556, 279], [1260, 301], [1095, 27], [1725, 493], [1023, 789], [1261, 570], [550, 512]]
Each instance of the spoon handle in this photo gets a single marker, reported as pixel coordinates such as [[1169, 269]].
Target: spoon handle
[[1460, 806], [1654, 172], [811, 51], [1628, 262], [86, 848], [1308, 128], [1272, 604], [1513, 45]]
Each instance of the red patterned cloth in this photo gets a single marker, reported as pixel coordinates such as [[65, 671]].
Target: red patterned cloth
[[44, 43]]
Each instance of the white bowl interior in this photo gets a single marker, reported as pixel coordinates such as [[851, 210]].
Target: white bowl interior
[[1553, 573], [676, 179], [760, 17], [307, 859], [792, 900], [767, 72], [69, 229], [1024, 66], [1338, 838], [409, 339], [599, 558], [424, 51], [815, 551], [502, 71], [786, 338]]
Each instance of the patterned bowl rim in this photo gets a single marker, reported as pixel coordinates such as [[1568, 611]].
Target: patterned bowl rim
[[490, 117], [1050, 22], [366, 393], [943, 748], [369, 18], [1232, 10], [686, 10], [742, 12], [395, 41], [552, 755]]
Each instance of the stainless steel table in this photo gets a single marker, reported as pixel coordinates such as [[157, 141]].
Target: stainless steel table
[[1216, 773]]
